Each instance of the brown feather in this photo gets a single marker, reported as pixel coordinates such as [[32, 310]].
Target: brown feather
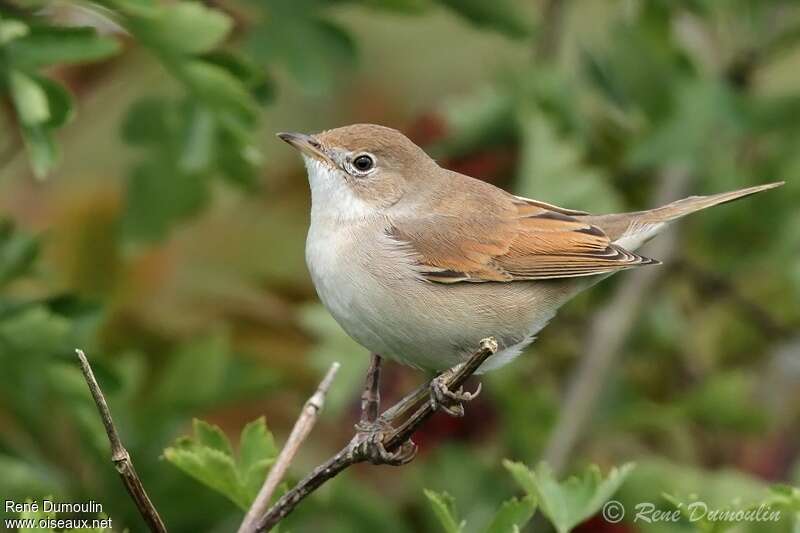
[[508, 238]]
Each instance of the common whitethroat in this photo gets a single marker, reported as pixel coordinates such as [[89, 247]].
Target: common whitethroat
[[419, 263]]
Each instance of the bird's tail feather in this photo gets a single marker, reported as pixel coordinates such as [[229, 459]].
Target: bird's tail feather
[[632, 229]]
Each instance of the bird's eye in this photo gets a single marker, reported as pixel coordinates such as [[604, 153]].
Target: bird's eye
[[363, 163]]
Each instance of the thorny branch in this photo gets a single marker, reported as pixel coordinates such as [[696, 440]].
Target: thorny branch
[[119, 455], [393, 439]]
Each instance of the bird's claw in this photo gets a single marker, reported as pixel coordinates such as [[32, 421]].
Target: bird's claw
[[367, 445], [451, 402]]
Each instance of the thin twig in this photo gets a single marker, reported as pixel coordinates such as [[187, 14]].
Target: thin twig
[[301, 429], [345, 457], [119, 455]]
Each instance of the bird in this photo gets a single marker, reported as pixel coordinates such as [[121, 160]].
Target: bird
[[418, 263]]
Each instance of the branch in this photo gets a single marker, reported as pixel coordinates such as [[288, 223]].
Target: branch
[[301, 429], [119, 455], [345, 457]]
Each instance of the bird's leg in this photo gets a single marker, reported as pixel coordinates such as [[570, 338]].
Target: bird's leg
[[451, 402], [367, 444]]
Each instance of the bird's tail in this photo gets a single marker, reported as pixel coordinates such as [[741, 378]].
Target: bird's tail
[[631, 230]]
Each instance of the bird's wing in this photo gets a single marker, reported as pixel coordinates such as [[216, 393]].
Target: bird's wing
[[500, 237]]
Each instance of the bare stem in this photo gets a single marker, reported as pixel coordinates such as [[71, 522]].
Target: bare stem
[[119, 455], [302, 427], [345, 457]]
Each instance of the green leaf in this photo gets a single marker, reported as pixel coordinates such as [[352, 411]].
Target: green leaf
[[207, 457], [187, 27], [568, 503], [12, 29], [46, 45], [220, 90], [147, 122], [314, 51], [501, 15], [257, 452], [42, 150], [779, 501], [522, 475], [513, 515], [17, 252], [401, 6], [254, 77], [35, 516], [212, 468], [199, 141], [30, 99], [211, 436], [59, 102], [35, 332], [443, 506]]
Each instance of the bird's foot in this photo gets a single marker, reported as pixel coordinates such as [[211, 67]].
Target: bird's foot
[[367, 445], [451, 402]]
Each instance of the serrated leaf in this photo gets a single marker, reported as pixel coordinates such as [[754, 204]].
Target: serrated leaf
[[211, 436], [257, 452], [513, 515], [522, 475], [443, 506], [30, 99], [568, 503], [47, 45], [256, 444], [207, 456], [212, 468]]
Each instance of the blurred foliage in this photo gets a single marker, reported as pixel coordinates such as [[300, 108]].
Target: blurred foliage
[[568, 503], [166, 243]]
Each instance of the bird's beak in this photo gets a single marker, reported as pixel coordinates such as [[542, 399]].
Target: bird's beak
[[307, 145]]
